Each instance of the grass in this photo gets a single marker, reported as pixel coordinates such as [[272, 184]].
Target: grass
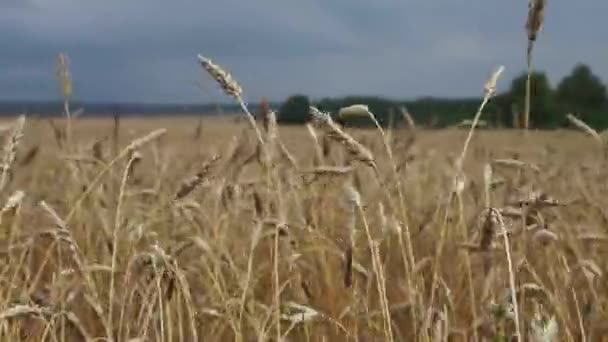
[[185, 239]]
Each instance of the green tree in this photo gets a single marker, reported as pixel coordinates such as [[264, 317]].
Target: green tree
[[295, 110], [581, 90], [543, 112]]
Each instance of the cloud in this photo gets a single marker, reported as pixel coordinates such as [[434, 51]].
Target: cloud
[[145, 50]]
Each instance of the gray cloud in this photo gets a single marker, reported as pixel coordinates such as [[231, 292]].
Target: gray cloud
[[145, 50]]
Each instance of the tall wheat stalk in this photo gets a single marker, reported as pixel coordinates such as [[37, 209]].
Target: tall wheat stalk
[[489, 92], [10, 151], [534, 24], [65, 86], [231, 87]]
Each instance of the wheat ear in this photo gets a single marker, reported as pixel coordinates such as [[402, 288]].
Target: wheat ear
[[580, 124], [231, 88]]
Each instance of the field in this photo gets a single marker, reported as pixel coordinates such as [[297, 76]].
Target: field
[[179, 237]]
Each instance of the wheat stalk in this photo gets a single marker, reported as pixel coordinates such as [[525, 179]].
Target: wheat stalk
[[65, 86], [489, 92], [580, 124], [231, 88], [407, 117], [10, 150], [127, 151], [515, 164], [534, 24]]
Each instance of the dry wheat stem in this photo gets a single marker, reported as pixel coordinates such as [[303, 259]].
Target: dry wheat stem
[[10, 150], [489, 92], [534, 24], [411, 124], [134, 145], [65, 84], [231, 88], [580, 124], [410, 261], [318, 149], [377, 266], [512, 282], [287, 155], [117, 219]]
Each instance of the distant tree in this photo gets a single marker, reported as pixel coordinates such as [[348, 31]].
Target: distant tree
[[295, 110], [581, 90], [543, 112]]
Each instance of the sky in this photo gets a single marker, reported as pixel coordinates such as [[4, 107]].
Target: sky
[[145, 50]]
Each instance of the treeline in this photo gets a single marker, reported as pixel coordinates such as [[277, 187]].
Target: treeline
[[581, 93], [55, 109]]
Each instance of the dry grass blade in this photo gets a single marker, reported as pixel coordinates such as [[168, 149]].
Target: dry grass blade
[[490, 86], [52, 214], [580, 124], [489, 92], [58, 133], [304, 314], [134, 145], [487, 230], [317, 145], [63, 75], [65, 87], [545, 236], [512, 282], [10, 150], [515, 164], [407, 117], [137, 143], [330, 170], [469, 123], [287, 155], [593, 237], [29, 156], [13, 201], [24, 310], [348, 266]]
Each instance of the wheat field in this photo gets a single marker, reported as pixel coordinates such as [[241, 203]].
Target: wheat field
[[112, 234]]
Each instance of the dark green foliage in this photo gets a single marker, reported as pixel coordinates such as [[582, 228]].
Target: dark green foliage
[[543, 112], [583, 93], [295, 110]]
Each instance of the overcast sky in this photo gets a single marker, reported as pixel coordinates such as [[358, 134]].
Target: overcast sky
[[145, 50]]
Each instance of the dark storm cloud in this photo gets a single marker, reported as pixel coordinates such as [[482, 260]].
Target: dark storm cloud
[[145, 50]]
